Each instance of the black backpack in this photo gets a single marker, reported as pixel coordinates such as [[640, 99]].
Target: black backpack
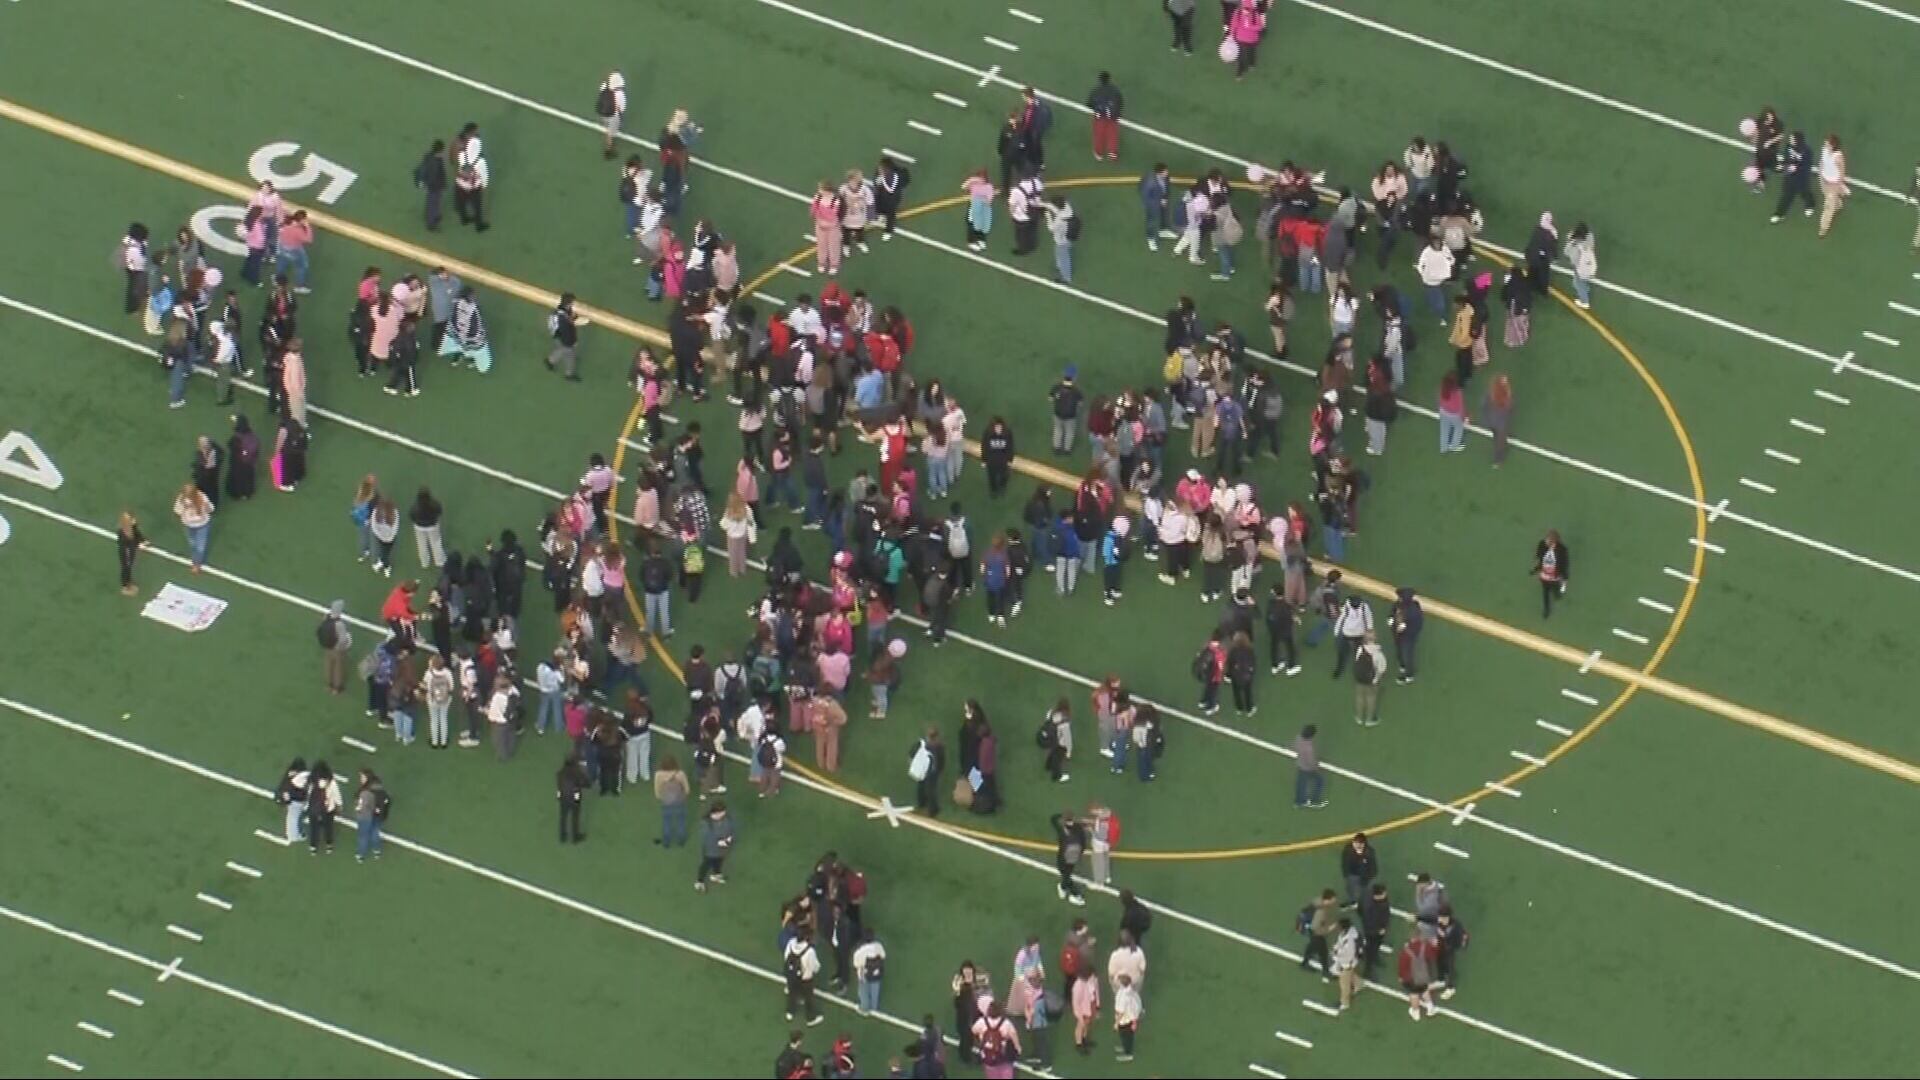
[[873, 968], [1047, 737], [766, 756], [382, 804], [1073, 227], [794, 969], [1364, 669], [1203, 664], [604, 103], [328, 632]]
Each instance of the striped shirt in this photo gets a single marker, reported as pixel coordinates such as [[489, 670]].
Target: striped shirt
[[468, 327], [133, 254]]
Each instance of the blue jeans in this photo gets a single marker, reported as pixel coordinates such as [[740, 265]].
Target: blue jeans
[[256, 257], [1063, 261], [633, 218], [1582, 289], [816, 506], [177, 376], [1145, 762], [1333, 543], [197, 542], [1312, 276], [1453, 431], [937, 479], [1322, 626], [296, 830], [367, 842], [297, 259], [659, 619], [779, 483], [1308, 786], [366, 537], [551, 706], [1437, 299], [1121, 740], [1225, 251], [673, 824], [402, 725], [1041, 541], [869, 995]]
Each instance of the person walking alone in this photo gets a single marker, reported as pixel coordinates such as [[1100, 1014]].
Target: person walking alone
[[370, 803], [1309, 783], [570, 787], [1070, 842], [1406, 618], [130, 540], [1369, 669], [800, 962], [1554, 567], [430, 176], [336, 645], [1834, 191], [1496, 412], [1107, 104], [425, 516], [716, 843], [610, 104], [195, 512], [1584, 258]]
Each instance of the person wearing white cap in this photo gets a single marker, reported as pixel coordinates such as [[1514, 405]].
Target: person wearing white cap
[[611, 104]]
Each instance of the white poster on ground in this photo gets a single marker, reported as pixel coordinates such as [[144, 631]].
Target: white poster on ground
[[184, 609]]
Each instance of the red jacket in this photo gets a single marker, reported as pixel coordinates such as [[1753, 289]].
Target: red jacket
[[399, 606], [1426, 951]]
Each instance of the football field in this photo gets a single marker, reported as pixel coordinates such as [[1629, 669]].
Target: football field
[[1677, 815]]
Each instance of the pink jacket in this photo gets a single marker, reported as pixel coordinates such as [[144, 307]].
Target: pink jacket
[[385, 329], [293, 375], [1246, 24], [825, 216]]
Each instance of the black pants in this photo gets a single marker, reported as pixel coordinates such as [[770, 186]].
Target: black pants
[[404, 379], [1317, 950], [1126, 1037], [1449, 967], [439, 335], [1209, 695], [691, 583], [570, 818], [926, 795], [962, 571], [1243, 696], [1404, 646], [1790, 186], [1056, 761], [1182, 31], [276, 388], [1348, 646], [800, 997], [1388, 235], [888, 211], [319, 825], [998, 472], [1248, 54], [1279, 642], [1026, 235], [1259, 429], [1067, 883], [1370, 944], [937, 621], [126, 567], [471, 206], [1463, 365], [1540, 274], [1549, 592], [433, 209], [1006, 173], [709, 868], [137, 289]]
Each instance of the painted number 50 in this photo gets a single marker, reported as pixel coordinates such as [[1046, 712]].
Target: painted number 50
[[312, 168], [264, 165]]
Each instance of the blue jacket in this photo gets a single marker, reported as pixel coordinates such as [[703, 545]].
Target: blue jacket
[[1066, 542], [1153, 191]]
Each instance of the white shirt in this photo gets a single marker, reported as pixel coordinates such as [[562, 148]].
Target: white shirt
[[1435, 265], [617, 83], [473, 157], [497, 708], [1355, 620], [806, 322], [868, 950], [1128, 961], [749, 724], [809, 959], [223, 347], [1833, 165], [548, 678]]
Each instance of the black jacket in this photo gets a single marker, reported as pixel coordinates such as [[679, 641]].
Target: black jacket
[[1183, 328], [1364, 865], [1135, 919], [1376, 915]]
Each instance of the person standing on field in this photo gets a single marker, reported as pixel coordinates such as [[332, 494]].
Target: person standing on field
[[1359, 865], [426, 515], [1369, 670], [430, 176], [292, 794], [611, 106], [1833, 182], [1419, 958], [1406, 618], [1309, 783], [1107, 105], [130, 540], [1070, 842], [1553, 565], [470, 178], [1064, 225], [1584, 258], [1346, 961], [1321, 917], [563, 326], [571, 788], [1181, 13], [336, 645], [716, 843]]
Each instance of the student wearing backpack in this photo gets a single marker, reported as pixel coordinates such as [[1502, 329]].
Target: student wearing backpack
[[1369, 671], [1070, 842], [336, 644], [1209, 668], [1056, 738], [1419, 958], [925, 765], [1241, 668], [869, 967], [1318, 922], [1064, 224], [610, 104], [370, 804], [1452, 939], [563, 326], [998, 1043], [801, 964]]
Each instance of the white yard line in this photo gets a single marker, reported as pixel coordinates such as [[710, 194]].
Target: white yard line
[[125, 998], [949, 99], [1904, 309], [1815, 429], [272, 838], [1707, 545], [182, 932], [1587, 665], [65, 1063], [1513, 832], [1882, 9], [992, 76], [999, 44], [908, 158], [1681, 574], [174, 971], [1585, 699], [1883, 339], [94, 1029], [1565, 733], [1764, 489], [1556, 84], [1495, 785], [1261, 1070], [1294, 1039], [1027, 15], [1628, 635], [361, 745], [1049, 283], [1657, 605], [1779, 455], [244, 870], [1449, 849], [214, 902], [1828, 395], [927, 129], [1530, 759]]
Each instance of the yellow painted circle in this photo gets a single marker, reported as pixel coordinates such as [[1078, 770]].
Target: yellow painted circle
[[1517, 776]]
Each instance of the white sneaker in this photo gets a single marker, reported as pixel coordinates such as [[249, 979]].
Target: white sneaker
[[1446, 994], [1077, 900], [1414, 1011], [1153, 245], [1429, 1006], [1168, 234]]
